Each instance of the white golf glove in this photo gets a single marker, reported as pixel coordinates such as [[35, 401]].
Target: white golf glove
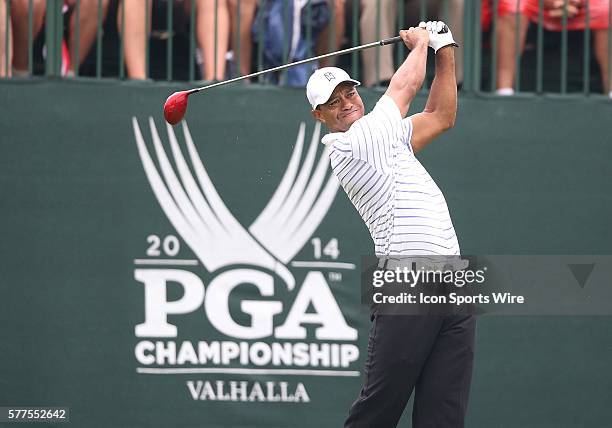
[[439, 34]]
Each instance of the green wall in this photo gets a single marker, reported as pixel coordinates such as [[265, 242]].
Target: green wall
[[521, 176]]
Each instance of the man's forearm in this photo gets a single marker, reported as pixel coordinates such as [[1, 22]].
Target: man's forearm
[[442, 98], [409, 77]]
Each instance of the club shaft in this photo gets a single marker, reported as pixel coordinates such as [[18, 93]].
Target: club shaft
[[304, 61]]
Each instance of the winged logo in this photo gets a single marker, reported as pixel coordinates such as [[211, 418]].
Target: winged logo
[[199, 215]]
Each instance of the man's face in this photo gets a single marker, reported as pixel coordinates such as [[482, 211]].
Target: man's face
[[342, 109]]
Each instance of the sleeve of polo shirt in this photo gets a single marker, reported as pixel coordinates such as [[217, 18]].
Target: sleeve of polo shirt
[[407, 133], [373, 137]]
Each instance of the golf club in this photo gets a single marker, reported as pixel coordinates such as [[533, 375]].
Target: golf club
[[176, 104]]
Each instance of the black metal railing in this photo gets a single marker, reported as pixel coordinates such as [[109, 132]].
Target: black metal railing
[[508, 46]]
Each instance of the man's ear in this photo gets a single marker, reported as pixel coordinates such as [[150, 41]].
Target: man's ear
[[317, 115]]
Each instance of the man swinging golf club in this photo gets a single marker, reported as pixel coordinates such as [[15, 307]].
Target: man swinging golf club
[[373, 157]]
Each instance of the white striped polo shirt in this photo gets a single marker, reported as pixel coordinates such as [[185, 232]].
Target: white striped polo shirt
[[398, 200]]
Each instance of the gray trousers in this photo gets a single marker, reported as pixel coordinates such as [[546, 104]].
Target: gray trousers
[[431, 355]]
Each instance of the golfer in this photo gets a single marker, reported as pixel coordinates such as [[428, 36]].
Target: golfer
[[373, 157]]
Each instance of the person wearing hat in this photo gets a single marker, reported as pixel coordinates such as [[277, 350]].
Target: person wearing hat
[[373, 157]]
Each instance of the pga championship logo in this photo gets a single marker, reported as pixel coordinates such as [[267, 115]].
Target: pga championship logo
[[267, 332]]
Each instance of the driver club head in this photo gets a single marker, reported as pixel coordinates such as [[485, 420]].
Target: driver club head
[[175, 107]]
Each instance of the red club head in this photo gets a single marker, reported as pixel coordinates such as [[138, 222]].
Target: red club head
[[175, 107]]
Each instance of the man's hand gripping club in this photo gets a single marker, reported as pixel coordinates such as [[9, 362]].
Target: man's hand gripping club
[[439, 35]]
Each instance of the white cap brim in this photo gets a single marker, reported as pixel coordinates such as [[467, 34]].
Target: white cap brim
[[323, 82], [330, 90]]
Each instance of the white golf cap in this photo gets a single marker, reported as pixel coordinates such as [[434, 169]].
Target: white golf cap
[[323, 82]]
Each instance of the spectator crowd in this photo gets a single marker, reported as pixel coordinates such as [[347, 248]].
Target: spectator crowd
[[229, 34]]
